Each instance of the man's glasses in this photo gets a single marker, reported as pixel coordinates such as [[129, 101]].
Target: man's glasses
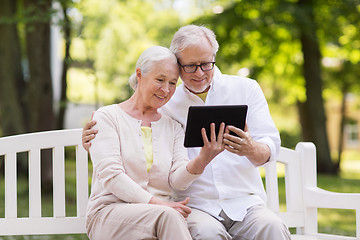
[[193, 67]]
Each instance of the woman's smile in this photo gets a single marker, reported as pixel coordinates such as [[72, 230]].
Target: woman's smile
[[162, 98]]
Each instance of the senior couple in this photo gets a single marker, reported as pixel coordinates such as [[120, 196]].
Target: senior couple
[[146, 185]]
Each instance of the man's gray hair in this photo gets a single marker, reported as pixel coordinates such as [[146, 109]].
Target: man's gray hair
[[191, 35], [147, 60]]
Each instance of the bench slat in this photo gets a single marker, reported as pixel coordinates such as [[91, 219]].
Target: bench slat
[[34, 183], [320, 236], [41, 140], [82, 183], [10, 185], [41, 226], [272, 189], [59, 181], [293, 185], [292, 219]]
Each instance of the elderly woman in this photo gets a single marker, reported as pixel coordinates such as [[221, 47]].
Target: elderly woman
[[138, 158]]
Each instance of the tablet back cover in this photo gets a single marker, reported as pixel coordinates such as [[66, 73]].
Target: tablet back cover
[[203, 116]]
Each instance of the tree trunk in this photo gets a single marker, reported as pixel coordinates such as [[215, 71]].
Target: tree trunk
[[11, 77], [342, 125], [63, 98], [313, 82], [40, 95], [12, 85], [305, 122]]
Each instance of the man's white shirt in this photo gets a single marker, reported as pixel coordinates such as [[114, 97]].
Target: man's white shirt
[[230, 182]]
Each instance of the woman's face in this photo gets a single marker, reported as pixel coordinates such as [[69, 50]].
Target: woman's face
[[158, 85]]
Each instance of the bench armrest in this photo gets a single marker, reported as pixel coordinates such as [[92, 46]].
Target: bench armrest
[[320, 198], [315, 197]]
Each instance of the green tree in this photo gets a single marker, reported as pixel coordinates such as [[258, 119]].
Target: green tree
[[12, 84], [114, 33], [66, 26], [282, 42], [313, 111], [26, 102], [341, 46]]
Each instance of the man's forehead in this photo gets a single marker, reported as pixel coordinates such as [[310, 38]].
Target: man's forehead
[[197, 52], [193, 57]]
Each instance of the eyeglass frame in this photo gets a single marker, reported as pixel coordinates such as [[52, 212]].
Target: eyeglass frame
[[197, 66]]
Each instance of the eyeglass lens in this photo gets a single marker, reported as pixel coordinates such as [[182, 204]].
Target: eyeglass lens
[[204, 66]]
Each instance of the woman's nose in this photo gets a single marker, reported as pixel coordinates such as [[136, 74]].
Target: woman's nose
[[165, 88]]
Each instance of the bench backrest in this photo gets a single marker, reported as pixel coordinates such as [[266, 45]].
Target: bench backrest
[[293, 162], [32, 144]]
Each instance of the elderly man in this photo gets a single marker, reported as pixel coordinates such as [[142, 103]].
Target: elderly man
[[228, 200]]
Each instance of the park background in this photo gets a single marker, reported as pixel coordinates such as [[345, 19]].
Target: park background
[[60, 60]]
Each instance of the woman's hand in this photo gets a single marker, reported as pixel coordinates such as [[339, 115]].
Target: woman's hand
[[215, 146], [178, 206], [209, 151]]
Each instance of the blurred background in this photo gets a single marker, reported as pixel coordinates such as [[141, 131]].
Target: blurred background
[[60, 60]]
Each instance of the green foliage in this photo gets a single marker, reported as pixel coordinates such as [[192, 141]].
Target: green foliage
[[114, 34], [263, 36], [289, 138]]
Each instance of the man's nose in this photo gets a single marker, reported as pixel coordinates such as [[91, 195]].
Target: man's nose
[[199, 71]]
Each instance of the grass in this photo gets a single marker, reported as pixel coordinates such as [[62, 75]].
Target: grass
[[334, 221]]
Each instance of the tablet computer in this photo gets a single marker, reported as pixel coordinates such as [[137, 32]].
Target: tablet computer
[[202, 116]]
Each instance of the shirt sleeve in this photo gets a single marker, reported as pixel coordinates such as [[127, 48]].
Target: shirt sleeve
[[179, 177], [261, 126], [107, 163]]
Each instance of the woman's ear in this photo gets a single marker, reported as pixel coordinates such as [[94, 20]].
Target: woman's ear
[[138, 74]]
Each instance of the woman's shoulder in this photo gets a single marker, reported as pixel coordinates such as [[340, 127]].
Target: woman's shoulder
[[170, 121], [108, 111], [108, 108], [166, 118]]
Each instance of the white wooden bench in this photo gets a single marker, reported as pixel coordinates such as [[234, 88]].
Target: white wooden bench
[[36, 224], [303, 197]]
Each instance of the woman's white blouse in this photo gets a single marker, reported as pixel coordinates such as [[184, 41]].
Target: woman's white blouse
[[119, 164]]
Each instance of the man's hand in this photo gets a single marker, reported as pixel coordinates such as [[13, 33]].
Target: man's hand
[[178, 206], [88, 134], [244, 145]]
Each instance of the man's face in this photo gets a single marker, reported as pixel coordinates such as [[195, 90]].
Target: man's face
[[199, 81]]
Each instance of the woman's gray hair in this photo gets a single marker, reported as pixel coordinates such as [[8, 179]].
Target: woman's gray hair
[[190, 35], [148, 58]]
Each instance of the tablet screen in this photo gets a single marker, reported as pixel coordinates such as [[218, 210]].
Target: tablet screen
[[202, 116]]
